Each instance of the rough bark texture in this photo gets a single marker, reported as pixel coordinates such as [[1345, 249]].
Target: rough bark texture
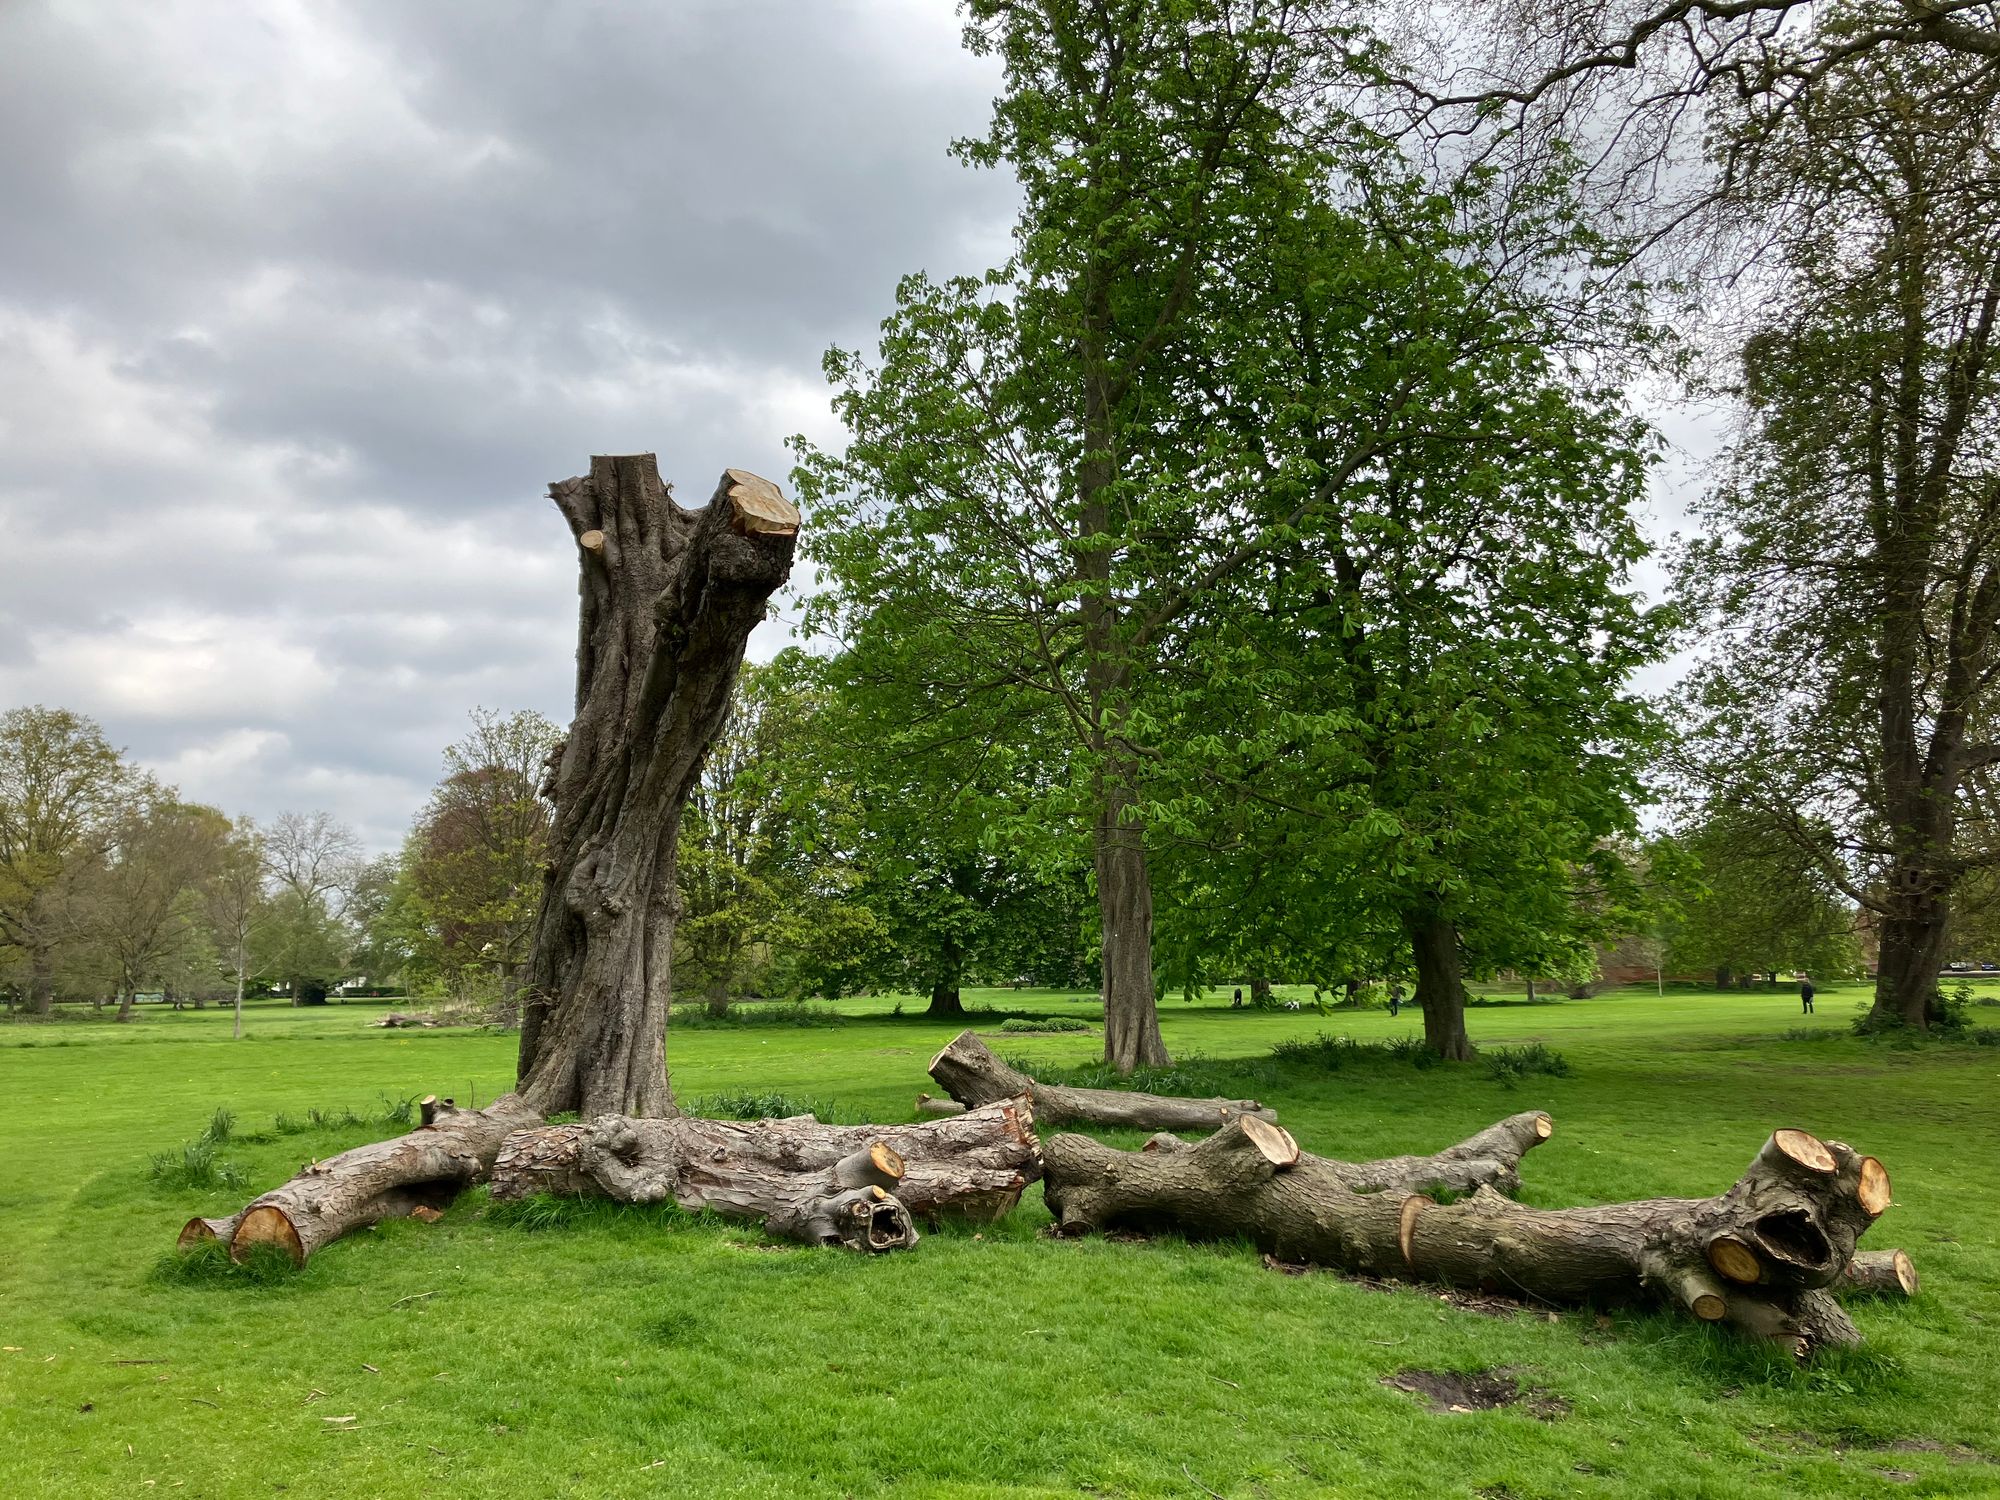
[[796, 1175], [1492, 1158], [971, 1074], [423, 1170], [668, 598], [1125, 908], [945, 1001], [1761, 1255], [1879, 1273], [1440, 985]]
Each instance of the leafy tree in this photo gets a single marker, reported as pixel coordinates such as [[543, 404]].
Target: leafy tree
[[473, 868], [63, 789], [233, 902], [1764, 904], [312, 859], [1056, 471], [142, 907], [1853, 549]]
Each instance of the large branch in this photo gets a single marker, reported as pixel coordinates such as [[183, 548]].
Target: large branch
[[973, 1165], [1491, 1159], [971, 1074], [421, 1171], [1761, 1255]]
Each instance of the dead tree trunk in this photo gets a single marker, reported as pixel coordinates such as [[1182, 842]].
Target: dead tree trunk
[[422, 1171], [1761, 1255], [972, 1075], [1492, 1158], [971, 1166], [669, 596]]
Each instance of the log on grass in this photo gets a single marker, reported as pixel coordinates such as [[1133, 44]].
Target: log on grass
[[1760, 1255], [418, 1173], [1492, 1158], [972, 1075], [972, 1166], [1879, 1273]]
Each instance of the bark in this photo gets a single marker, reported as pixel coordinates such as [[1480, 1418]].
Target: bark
[[41, 983], [1492, 1158], [239, 995], [784, 1172], [126, 1001], [972, 1075], [1125, 906], [1440, 984], [1760, 1255], [668, 598], [1911, 957], [1879, 1273], [1260, 994], [945, 1002], [718, 998], [423, 1170]]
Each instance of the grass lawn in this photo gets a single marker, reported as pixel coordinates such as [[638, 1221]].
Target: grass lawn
[[639, 1352]]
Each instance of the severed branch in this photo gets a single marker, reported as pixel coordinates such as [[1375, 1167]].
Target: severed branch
[[972, 1075]]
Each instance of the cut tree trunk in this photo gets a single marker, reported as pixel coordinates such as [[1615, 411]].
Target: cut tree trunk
[[1879, 1273], [668, 598], [418, 1173], [1760, 1255], [972, 1075], [787, 1172], [1492, 1158], [1440, 984]]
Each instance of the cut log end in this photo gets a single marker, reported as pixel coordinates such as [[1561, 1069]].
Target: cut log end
[[1879, 1273], [1273, 1142], [1406, 1226], [1735, 1260], [1805, 1149], [200, 1231], [938, 1108], [756, 506], [1544, 1127], [268, 1225], [1874, 1187]]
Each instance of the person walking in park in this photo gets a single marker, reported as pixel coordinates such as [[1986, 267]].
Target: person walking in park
[[1805, 994], [1395, 998]]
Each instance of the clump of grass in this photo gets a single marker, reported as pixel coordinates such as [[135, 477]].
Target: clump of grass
[[1033, 1024], [548, 1211], [746, 1105], [221, 1126], [194, 1165], [1193, 1075], [1808, 1034], [396, 1111], [1509, 1065], [1329, 1053], [208, 1264]]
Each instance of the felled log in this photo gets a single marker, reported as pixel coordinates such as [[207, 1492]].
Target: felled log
[[971, 1074], [1879, 1273], [934, 1107], [972, 1165], [1492, 1158], [418, 1173], [1760, 1255]]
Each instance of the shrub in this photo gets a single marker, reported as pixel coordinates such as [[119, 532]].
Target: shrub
[[744, 1105], [698, 1018], [1509, 1065], [1808, 1034], [1033, 1024], [221, 1125]]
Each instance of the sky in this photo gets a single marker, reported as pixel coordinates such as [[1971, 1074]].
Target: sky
[[302, 306]]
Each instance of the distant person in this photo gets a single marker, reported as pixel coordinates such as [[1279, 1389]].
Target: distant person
[[1805, 995], [1237, 1003], [1395, 1000]]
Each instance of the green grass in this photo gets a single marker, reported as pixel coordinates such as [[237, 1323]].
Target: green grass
[[601, 1351]]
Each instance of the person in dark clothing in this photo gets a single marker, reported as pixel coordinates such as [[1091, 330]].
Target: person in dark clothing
[[1395, 999], [1237, 1002], [1805, 995]]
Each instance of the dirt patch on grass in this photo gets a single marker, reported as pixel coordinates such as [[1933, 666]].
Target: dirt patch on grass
[[1476, 1390]]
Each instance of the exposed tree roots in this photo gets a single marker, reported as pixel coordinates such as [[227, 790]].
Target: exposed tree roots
[[972, 1075], [1762, 1255]]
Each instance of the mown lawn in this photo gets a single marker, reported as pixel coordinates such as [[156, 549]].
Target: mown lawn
[[641, 1353]]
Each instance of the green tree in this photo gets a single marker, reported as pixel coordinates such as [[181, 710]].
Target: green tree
[[142, 904], [1763, 905], [311, 859], [1853, 549], [233, 902], [63, 789]]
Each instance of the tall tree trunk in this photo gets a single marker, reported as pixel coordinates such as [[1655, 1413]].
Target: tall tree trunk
[[718, 997], [126, 1000], [41, 983], [1531, 989], [1912, 951], [239, 992], [1260, 994], [1125, 909], [668, 599], [945, 1003], [1440, 983]]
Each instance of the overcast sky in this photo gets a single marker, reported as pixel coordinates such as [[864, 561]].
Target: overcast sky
[[302, 306]]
